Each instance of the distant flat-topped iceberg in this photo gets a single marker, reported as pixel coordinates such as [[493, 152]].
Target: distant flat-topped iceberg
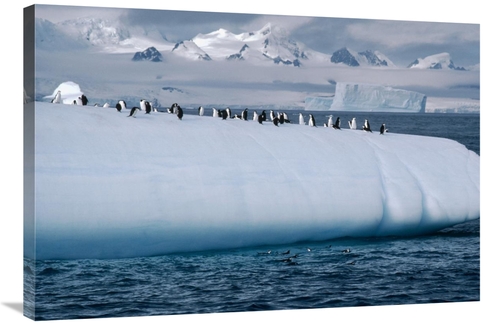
[[108, 186], [367, 97]]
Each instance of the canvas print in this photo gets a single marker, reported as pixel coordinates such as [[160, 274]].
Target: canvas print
[[189, 162]]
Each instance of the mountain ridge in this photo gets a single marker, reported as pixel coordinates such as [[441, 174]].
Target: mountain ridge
[[270, 44]]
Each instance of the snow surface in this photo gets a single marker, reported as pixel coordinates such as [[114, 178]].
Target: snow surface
[[109, 186]]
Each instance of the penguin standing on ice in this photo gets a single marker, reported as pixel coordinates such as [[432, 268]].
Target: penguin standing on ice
[[215, 112], [301, 119], [260, 118], [121, 105], [276, 121], [244, 115], [337, 124], [383, 129], [148, 107], [255, 116], [282, 118], [228, 110], [84, 100], [352, 124], [366, 126], [285, 116], [201, 111], [224, 114], [312, 121], [57, 98], [330, 122], [133, 111], [263, 116], [145, 106], [272, 115], [173, 109], [180, 113]]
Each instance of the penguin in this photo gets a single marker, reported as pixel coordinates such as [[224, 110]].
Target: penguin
[[263, 115], [366, 126], [301, 119], [228, 110], [106, 105], [272, 115], [352, 124], [282, 118], [224, 113], [144, 106], [312, 121], [121, 105], [244, 115], [84, 100], [57, 98], [330, 122], [383, 129], [348, 250], [173, 109], [215, 112], [180, 113], [285, 116], [201, 111], [276, 121], [260, 118], [255, 116], [337, 124], [148, 107], [78, 101], [133, 111]]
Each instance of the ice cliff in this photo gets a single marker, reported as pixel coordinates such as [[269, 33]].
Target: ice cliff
[[367, 97]]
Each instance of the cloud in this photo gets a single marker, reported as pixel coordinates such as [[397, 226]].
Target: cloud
[[394, 34], [56, 13]]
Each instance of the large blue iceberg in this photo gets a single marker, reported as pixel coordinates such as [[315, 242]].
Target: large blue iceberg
[[367, 97], [106, 185]]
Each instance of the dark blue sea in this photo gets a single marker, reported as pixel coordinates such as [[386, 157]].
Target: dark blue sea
[[435, 268]]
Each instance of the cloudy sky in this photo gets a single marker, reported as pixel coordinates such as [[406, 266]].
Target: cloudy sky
[[402, 41]]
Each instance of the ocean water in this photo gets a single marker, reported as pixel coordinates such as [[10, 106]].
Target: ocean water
[[435, 268]]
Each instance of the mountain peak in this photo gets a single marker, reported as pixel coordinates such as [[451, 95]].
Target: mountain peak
[[435, 61], [355, 59]]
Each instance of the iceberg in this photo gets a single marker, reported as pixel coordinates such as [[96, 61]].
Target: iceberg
[[367, 97], [105, 185], [70, 91]]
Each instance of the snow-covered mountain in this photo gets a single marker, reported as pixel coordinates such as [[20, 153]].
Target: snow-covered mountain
[[189, 50], [97, 34], [149, 54], [49, 36], [436, 61], [95, 31], [352, 58], [269, 44]]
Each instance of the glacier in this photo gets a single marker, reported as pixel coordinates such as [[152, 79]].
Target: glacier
[[369, 97], [106, 185]]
